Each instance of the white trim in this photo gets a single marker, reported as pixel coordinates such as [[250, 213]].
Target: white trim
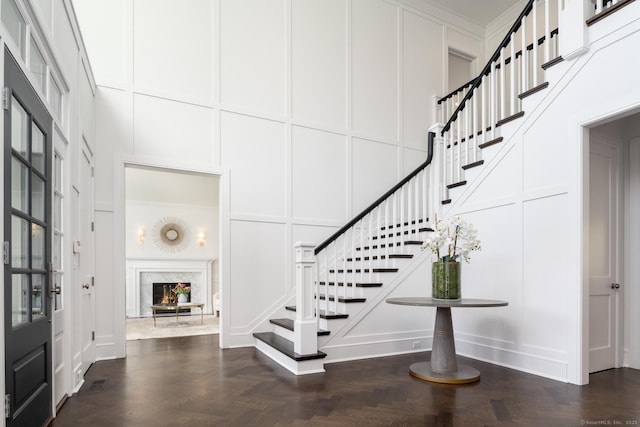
[[632, 252], [120, 162]]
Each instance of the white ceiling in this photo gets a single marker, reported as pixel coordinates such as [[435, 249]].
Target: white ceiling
[[481, 12]]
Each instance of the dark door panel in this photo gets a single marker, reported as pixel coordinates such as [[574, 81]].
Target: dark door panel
[[27, 204]]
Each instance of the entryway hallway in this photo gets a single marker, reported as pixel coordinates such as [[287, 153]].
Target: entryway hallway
[[190, 381]]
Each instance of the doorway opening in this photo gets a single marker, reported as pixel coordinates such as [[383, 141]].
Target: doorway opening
[[460, 69], [612, 230], [172, 245]]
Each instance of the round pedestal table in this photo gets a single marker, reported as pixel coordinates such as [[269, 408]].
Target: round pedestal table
[[444, 367]]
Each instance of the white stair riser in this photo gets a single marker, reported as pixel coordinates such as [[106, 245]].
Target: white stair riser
[[298, 368], [283, 332]]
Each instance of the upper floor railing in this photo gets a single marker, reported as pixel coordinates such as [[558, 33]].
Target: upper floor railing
[[473, 112]]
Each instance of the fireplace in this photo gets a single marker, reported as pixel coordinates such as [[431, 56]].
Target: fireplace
[[162, 294], [143, 273]]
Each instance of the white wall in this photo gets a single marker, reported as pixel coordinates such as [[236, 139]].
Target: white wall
[[313, 107], [528, 207], [146, 215]]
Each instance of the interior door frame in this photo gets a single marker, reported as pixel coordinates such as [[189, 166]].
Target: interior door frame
[[123, 161], [61, 150], [618, 212], [579, 347]]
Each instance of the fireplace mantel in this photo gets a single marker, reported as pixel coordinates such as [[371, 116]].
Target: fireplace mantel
[[141, 270]]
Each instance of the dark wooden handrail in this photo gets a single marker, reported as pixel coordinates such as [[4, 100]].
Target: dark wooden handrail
[[487, 68], [507, 60], [381, 199], [455, 91]]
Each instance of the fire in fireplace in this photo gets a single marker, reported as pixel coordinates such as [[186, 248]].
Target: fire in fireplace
[[162, 294]]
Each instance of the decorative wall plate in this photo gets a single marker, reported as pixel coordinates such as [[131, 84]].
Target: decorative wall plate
[[171, 234]]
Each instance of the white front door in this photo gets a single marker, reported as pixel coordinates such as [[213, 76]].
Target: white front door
[[86, 260], [605, 273]]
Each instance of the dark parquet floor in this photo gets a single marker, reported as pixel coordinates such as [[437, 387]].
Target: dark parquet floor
[[189, 381]]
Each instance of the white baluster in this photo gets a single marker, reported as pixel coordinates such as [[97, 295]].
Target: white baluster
[[599, 6], [512, 75], [378, 227], [403, 211], [483, 125], [503, 92], [387, 221], [547, 31], [321, 269], [534, 52], [417, 200], [467, 132], [425, 190], [523, 57], [370, 233], [410, 200], [353, 253], [492, 93], [396, 213], [474, 125], [556, 44], [444, 165], [336, 278], [459, 147]]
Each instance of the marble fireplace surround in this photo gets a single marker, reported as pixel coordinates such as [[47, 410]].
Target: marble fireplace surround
[[143, 272]]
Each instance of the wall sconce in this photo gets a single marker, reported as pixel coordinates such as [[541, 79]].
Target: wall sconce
[[140, 235], [201, 238]]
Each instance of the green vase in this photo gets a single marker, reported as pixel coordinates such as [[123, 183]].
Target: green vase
[[445, 280]]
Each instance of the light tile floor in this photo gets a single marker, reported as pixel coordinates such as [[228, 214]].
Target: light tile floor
[[142, 327]]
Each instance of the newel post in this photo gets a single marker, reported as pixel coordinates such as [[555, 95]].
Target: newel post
[[573, 29], [437, 170], [305, 328]]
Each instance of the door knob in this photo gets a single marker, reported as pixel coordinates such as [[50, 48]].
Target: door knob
[[56, 290], [85, 286], [615, 286]]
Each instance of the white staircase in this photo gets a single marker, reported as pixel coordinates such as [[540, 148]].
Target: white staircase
[[346, 275]]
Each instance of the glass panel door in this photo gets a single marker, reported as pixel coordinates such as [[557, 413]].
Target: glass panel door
[[27, 195]]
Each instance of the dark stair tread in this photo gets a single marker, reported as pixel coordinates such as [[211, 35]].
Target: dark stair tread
[[344, 300], [446, 202], [366, 270], [380, 246], [288, 324], [456, 184], [285, 346], [358, 285], [375, 257], [473, 165], [323, 314], [405, 224], [608, 11], [397, 234], [413, 242], [491, 142], [553, 62], [533, 90], [510, 118]]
